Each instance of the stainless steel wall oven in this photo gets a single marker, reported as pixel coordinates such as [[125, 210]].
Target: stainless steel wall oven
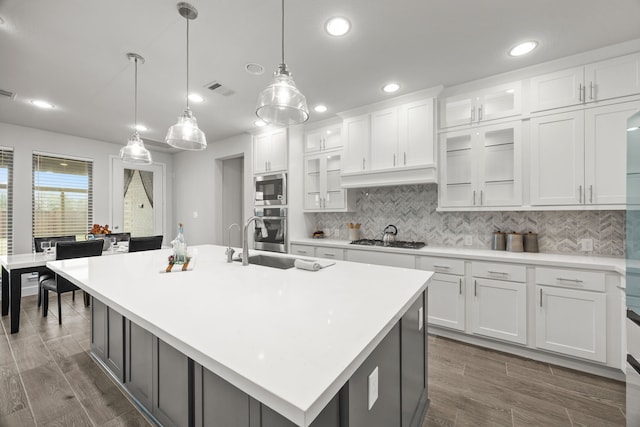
[[275, 221]]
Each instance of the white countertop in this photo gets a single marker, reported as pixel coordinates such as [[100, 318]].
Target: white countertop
[[289, 338], [613, 264]]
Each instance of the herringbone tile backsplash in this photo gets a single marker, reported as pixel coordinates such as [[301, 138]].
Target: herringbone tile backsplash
[[412, 209]]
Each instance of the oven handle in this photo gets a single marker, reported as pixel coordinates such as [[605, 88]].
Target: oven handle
[[272, 217]]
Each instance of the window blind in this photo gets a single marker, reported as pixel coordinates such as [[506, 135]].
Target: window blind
[[6, 201], [62, 197]]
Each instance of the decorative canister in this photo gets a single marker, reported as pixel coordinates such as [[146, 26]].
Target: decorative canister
[[498, 242], [514, 242], [530, 242]]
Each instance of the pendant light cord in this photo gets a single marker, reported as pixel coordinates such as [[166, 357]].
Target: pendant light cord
[[135, 97], [282, 31], [187, 61]]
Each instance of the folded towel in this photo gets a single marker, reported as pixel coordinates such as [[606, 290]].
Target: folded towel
[[312, 265], [172, 268]]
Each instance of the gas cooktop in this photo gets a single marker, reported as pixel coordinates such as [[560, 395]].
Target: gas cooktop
[[396, 244]]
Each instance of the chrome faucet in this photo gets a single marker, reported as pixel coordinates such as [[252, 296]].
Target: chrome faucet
[[245, 244], [230, 250]]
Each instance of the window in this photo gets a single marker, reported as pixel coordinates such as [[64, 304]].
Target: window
[[6, 201], [62, 196]]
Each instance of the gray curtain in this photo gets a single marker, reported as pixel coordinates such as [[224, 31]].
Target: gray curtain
[[147, 183]]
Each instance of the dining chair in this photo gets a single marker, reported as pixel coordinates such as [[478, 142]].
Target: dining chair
[[57, 283], [48, 273], [148, 243]]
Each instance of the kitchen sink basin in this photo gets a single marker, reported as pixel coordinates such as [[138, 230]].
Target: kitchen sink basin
[[282, 263]]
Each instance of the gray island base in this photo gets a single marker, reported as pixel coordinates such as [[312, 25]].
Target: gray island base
[[177, 376]]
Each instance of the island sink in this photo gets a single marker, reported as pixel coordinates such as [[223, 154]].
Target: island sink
[[282, 263]]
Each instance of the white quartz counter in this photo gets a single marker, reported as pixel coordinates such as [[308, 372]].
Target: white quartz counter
[[289, 338], [613, 264]]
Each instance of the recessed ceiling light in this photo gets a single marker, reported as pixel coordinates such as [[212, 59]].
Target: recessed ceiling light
[[337, 26], [195, 98], [391, 87], [523, 48], [42, 104], [141, 128], [253, 68], [320, 108], [259, 123]]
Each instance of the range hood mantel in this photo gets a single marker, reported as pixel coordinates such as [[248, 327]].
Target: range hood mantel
[[423, 174]]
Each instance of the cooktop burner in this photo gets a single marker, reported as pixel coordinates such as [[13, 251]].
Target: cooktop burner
[[396, 244]]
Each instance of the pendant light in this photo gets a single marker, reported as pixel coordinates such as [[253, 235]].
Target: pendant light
[[135, 151], [281, 102], [185, 134]]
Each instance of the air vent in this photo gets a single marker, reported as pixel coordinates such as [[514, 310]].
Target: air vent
[[218, 88], [8, 94]]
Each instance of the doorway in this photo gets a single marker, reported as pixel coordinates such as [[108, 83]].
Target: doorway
[[232, 199]]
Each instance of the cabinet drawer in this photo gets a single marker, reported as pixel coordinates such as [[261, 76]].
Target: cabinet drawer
[[381, 258], [302, 250], [441, 265], [575, 279], [491, 270], [330, 253]]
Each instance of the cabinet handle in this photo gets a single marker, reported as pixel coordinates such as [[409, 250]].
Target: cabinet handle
[[562, 279], [394, 160], [590, 90], [474, 197], [497, 272], [327, 254], [540, 297], [580, 93], [445, 267], [473, 114], [591, 193], [580, 194], [480, 113], [405, 158], [481, 197], [363, 163], [300, 251], [460, 286], [475, 288]]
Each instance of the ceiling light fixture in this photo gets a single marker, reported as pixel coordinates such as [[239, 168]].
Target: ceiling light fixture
[[42, 104], [194, 97], [320, 108], [253, 68], [259, 123], [281, 102], [135, 151], [523, 48], [391, 87], [337, 26], [185, 134]]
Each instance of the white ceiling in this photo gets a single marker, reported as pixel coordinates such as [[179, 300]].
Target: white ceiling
[[72, 53]]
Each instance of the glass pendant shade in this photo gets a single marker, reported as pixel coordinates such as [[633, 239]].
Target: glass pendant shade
[[185, 134], [281, 102], [135, 151]]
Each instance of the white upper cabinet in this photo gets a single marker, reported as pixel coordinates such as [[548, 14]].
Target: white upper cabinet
[[270, 151], [325, 139], [481, 167], [579, 157], [416, 133], [488, 104], [599, 81], [384, 138], [322, 182], [356, 135]]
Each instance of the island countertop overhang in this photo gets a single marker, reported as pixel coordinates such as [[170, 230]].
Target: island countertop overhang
[[288, 338]]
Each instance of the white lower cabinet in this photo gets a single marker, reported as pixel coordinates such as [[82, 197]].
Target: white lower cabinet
[[572, 322], [446, 301], [303, 250], [499, 310], [330, 253]]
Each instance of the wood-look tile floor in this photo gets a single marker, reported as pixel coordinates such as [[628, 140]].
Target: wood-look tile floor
[[47, 378]]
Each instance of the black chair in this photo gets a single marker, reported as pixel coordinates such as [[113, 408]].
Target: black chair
[[60, 285], [137, 244], [47, 274]]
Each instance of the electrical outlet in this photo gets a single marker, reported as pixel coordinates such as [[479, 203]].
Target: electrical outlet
[[586, 245], [468, 240], [195, 214], [373, 387]]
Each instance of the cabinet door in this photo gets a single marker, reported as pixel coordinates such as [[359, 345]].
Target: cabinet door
[[499, 310], [330, 253], [500, 101], [313, 141], [412, 361], [446, 301], [555, 90], [217, 402], [278, 151], [98, 328], [499, 174], [139, 372], [313, 185], [334, 194], [571, 322], [606, 152], [384, 139], [114, 346], [381, 258], [613, 78], [171, 388], [356, 134], [457, 169], [261, 152], [457, 110], [557, 159], [332, 138], [416, 134]]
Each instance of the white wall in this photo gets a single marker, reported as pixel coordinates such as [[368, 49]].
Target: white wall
[[25, 141], [197, 187]]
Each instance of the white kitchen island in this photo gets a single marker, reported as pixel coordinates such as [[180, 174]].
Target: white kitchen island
[[299, 342]]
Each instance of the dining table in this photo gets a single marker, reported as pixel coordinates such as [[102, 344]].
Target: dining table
[[13, 267]]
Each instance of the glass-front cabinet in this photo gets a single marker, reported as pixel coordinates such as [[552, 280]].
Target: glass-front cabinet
[[322, 189]]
